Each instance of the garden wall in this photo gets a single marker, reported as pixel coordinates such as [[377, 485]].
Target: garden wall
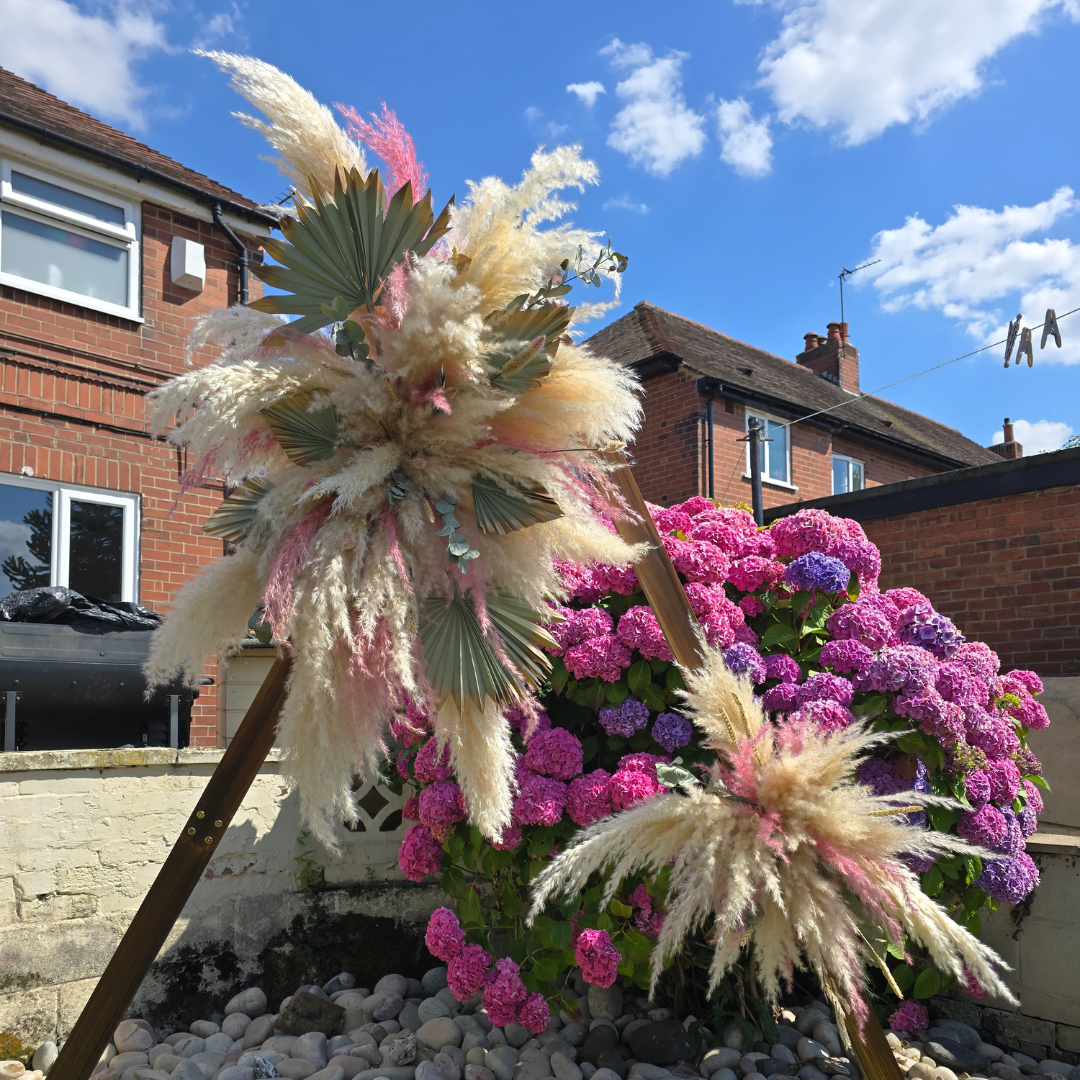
[[84, 833]]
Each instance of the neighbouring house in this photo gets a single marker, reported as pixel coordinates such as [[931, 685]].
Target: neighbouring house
[[701, 388], [108, 251]]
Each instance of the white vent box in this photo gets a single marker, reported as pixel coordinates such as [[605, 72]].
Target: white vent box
[[188, 264]]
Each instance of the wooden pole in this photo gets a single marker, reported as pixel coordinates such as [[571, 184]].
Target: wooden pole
[[668, 601], [176, 880]]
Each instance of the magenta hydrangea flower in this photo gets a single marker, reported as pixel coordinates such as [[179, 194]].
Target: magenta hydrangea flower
[[555, 753], [751, 606], [977, 787], [869, 620], [754, 571], [465, 973], [596, 956], [588, 798], [504, 992], [1015, 681], [1009, 880], [630, 787], [822, 686], [903, 667], [1034, 796], [441, 805], [433, 762], [615, 579], [986, 826], [1012, 843], [695, 505], [846, 656], [979, 659], [509, 839], [781, 698], [602, 657], [639, 629], [534, 1013], [826, 715], [672, 730], [1004, 782], [956, 682], [744, 659], [578, 625], [411, 810], [645, 919], [540, 800], [669, 519], [420, 853], [994, 737], [910, 1019], [718, 616], [783, 667], [444, 937], [625, 719], [1028, 713]]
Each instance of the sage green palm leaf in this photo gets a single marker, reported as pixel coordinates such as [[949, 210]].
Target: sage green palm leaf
[[506, 507], [511, 333], [458, 660], [524, 640], [305, 434], [233, 519], [344, 246]]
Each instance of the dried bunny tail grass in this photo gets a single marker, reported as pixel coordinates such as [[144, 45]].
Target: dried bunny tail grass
[[209, 615], [301, 129], [482, 756]]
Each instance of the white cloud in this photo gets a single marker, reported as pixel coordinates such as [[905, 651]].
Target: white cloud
[[1038, 437], [745, 143], [863, 65], [624, 202], [656, 128], [555, 130], [980, 267], [223, 24], [85, 59], [587, 91], [532, 114]]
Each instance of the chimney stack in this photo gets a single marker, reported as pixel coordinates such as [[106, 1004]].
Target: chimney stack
[[832, 356], [1008, 448]]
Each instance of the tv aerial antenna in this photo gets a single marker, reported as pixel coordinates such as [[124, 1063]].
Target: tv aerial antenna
[[846, 273]]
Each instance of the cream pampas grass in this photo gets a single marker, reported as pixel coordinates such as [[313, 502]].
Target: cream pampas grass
[[780, 846], [404, 481]]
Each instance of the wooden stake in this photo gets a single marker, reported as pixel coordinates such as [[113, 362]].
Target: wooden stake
[[668, 601], [176, 880]]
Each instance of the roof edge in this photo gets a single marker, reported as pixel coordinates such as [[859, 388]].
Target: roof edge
[[1016, 477], [140, 172]]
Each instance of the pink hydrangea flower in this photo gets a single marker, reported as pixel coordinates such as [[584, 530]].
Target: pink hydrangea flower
[[534, 1013], [588, 798], [783, 667], [411, 810], [669, 519], [615, 579], [695, 505], [540, 800], [420, 853], [910, 1019], [846, 656], [825, 687], [554, 753], [753, 571], [1015, 681], [781, 698], [596, 956], [639, 629], [444, 937], [826, 715], [578, 625], [986, 826], [1034, 797], [1004, 782], [871, 620], [433, 762], [465, 973], [634, 782], [751, 606], [698, 560], [719, 617], [441, 805], [602, 657], [504, 992]]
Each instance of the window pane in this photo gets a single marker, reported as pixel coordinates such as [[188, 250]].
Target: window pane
[[839, 475], [70, 200], [96, 557], [64, 260], [25, 538], [856, 476], [777, 456]]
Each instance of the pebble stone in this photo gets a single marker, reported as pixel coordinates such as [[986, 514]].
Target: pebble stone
[[440, 1032], [564, 1067], [251, 1001], [448, 1066], [133, 1036], [44, 1057], [295, 1069], [431, 1008], [311, 1047], [501, 1061]]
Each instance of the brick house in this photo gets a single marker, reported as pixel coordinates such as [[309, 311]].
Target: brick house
[[108, 250], [701, 387]]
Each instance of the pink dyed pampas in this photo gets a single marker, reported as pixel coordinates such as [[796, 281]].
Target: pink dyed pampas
[[387, 137]]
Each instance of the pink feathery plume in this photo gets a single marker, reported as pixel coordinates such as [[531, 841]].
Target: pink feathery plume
[[290, 554], [389, 526], [252, 443], [860, 883], [396, 292], [387, 137], [197, 476]]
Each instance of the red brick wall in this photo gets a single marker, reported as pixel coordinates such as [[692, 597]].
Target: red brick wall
[[72, 387], [670, 456], [1006, 571]]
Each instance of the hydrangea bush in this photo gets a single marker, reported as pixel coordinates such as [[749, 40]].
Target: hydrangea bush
[[797, 608]]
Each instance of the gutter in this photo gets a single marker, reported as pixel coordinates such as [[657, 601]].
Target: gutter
[[243, 256], [140, 172]]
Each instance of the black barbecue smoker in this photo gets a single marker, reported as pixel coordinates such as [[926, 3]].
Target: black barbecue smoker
[[71, 676]]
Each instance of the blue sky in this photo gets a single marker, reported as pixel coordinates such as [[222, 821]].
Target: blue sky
[[748, 150]]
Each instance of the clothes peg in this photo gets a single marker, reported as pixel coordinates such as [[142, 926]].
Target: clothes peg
[[1050, 328], [1025, 347], [1010, 341]]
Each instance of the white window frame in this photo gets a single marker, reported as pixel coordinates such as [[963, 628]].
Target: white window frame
[[849, 461], [127, 236], [63, 496], [787, 485]]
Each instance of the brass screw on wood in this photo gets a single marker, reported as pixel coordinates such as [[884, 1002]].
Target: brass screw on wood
[[201, 814], [208, 840], [191, 831], [218, 823]]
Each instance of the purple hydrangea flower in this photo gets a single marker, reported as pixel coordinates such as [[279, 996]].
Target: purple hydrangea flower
[[823, 686], [783, 667], [814, 571], [625, 719], [1009, 880], [922, 625], [744, 659], [672, 730], [846, 656]]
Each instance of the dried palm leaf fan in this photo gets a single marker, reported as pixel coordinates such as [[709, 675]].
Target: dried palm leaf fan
[[407, 458], [778, 844]]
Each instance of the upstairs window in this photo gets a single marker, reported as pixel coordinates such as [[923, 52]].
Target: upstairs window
[[68, 242], [82, 538], [775, 451], [847, 474]]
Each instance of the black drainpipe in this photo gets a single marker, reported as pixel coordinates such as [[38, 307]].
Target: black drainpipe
[[242, 254], [710, 387]]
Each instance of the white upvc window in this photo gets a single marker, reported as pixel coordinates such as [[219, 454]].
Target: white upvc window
[[69, 242], [847, 474], [775, 451], [83, 538]]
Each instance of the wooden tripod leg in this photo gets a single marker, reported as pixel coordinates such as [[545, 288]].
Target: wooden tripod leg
[[175, 882], [666, 597]]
